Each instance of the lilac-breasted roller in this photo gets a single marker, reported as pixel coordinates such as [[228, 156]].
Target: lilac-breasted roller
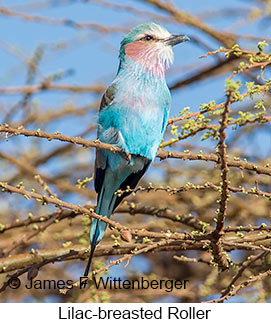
[[133, 116]]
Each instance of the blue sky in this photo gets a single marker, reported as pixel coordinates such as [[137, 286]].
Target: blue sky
[[96, 59], [93, 57]]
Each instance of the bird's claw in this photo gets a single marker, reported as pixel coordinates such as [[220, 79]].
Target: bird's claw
[[127, 156]]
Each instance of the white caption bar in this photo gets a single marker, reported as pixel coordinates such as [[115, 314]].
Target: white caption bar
[[120, 312]]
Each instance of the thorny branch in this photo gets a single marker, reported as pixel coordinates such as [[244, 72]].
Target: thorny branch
[[218, 252], [162, 154], [172, 217]]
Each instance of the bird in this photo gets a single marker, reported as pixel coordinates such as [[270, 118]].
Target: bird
[[133, 116]]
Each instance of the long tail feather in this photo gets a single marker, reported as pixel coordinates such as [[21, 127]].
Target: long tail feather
[[105, 208], [107, 183], [94, 243], [90, 259]]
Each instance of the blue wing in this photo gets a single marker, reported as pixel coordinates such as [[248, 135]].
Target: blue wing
[[130, 169], [139, 135]]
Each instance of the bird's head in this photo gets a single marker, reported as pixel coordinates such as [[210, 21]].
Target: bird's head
[[150, 46]]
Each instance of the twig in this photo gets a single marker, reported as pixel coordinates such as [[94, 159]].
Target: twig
[[63, 21], [244, 284], [245, 265], [120, 260], [45, 86], [227, 39], [162, 154], [15, 262], [37, 267], [90, 212], [218, 253]]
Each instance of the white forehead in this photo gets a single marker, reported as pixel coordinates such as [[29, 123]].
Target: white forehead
[[156, 31]]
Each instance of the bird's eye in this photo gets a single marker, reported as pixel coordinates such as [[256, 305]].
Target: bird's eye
[[148, 37]]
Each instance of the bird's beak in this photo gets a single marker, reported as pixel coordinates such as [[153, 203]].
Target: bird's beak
[[176, 39]]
